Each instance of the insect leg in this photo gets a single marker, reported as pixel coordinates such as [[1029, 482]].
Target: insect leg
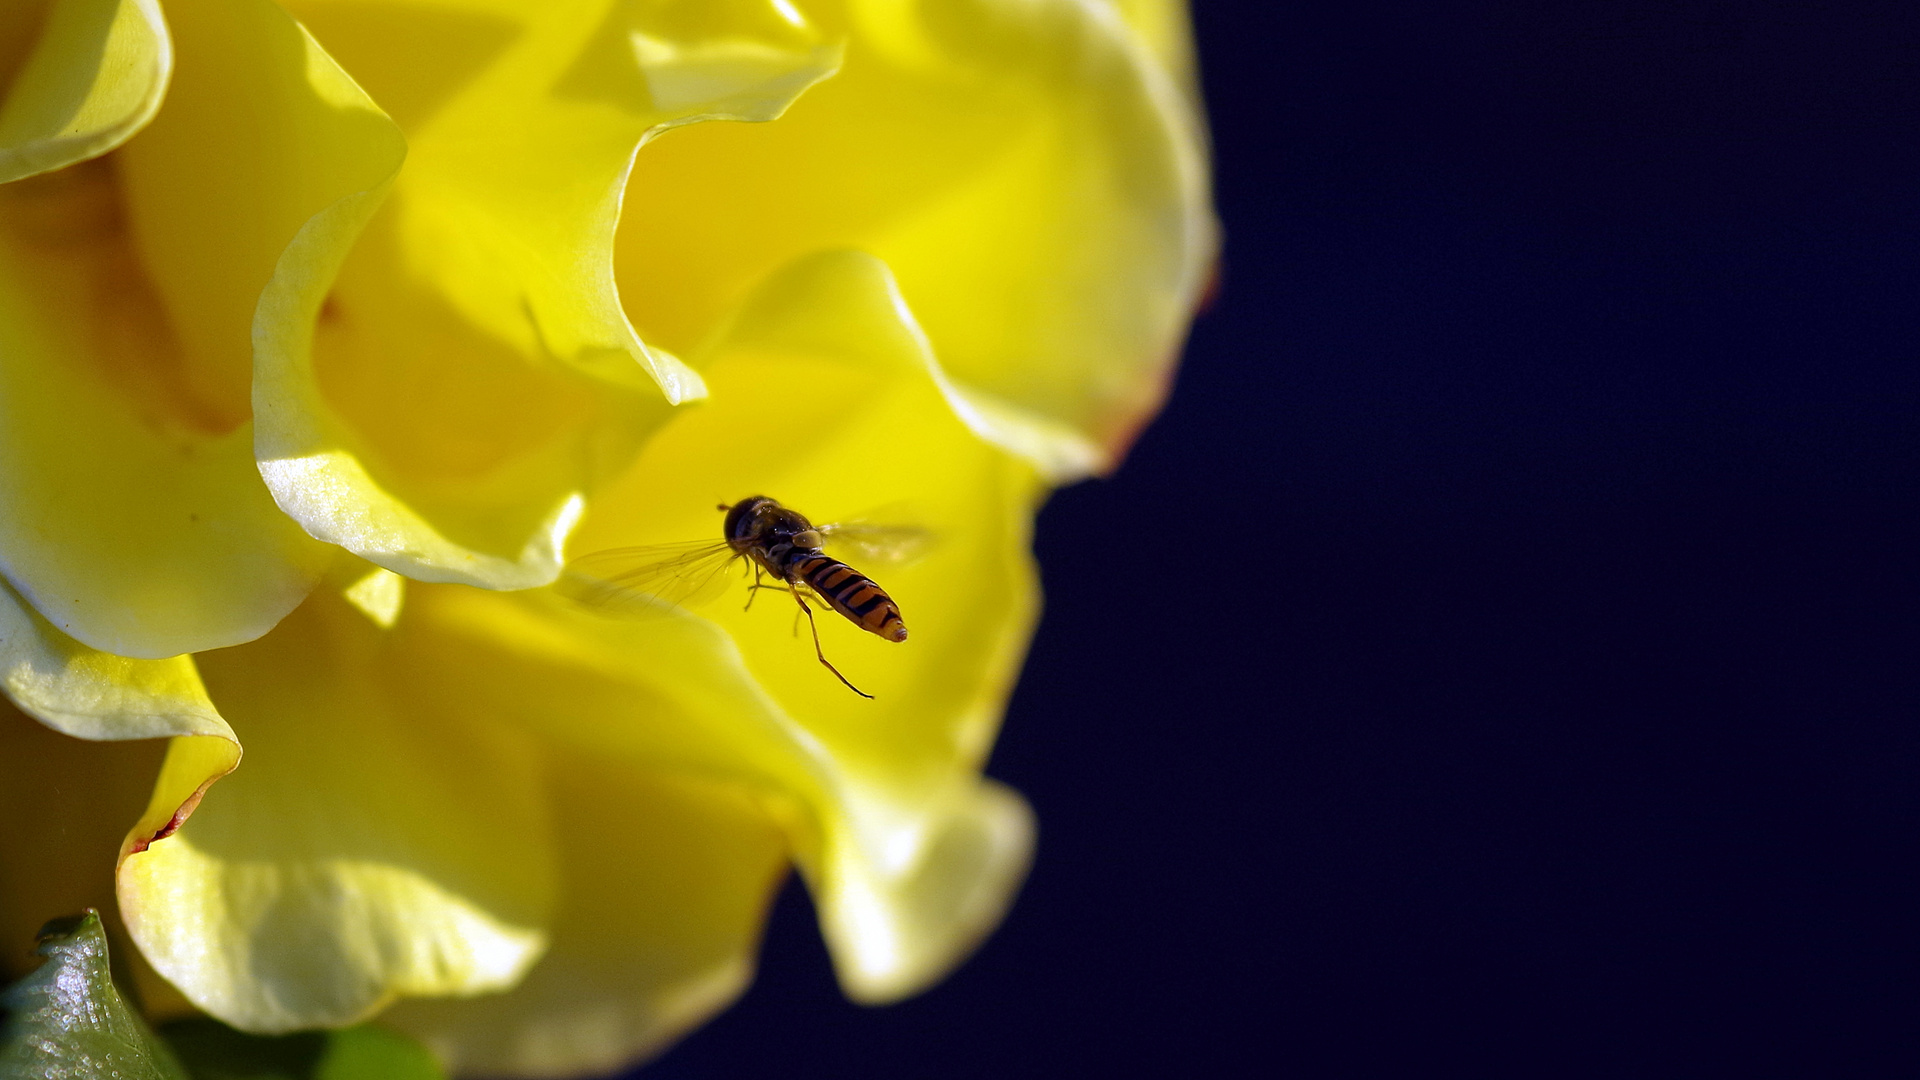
[[817, 651], [753, 590]]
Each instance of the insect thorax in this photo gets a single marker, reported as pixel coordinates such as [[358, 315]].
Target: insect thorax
[[762, 528]]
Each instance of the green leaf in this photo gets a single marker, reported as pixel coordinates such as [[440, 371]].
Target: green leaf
[[67, 1022], [375, 1053], [214, 1051]]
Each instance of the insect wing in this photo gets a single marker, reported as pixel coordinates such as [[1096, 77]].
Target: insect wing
[[865, 543], [638, 580]]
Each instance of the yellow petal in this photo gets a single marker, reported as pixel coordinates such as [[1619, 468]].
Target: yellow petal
[[320, 468], [96, 75], [442, 408], [911, 857], [509, 201], [906, 882], [809, 305], [368, 850], [266, 132], [897, 927], [191, 767], [863, 418], [1029, 170], [260, 133], [664, 882], [95, 695], [1162, 26], [135, 522], [826, 398], [102, 697], [379, 595]]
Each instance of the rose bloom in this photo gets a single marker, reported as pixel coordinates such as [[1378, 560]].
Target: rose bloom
[[329, 329]]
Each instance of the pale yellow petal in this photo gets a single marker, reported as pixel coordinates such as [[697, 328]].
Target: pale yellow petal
[[897, 929], [191, 767], [1164, 28], [365, 852], [379, 594], [136, 521], [94, 695], [665, 881], [440, 394], [95, 76], [1031, 172]]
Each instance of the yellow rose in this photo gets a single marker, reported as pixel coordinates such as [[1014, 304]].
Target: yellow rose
[[424, 270]]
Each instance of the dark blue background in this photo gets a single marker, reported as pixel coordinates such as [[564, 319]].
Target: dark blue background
[[1536, 691]]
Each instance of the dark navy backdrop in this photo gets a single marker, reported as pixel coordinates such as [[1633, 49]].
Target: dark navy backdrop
[[1537, 695]]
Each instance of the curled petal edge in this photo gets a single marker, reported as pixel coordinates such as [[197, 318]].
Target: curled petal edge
[[895, 932], [102, 697], [94, 695], [901, 900], [675, 380], [786, 311], [321, 474], [339, 873], [1098, 441], [51, 118], [306, 456], [312, 463], [192, 766]]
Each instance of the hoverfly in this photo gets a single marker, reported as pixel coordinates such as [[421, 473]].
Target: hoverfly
[[777, 542]]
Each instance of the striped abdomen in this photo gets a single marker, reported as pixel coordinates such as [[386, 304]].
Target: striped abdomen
[[853, 594]]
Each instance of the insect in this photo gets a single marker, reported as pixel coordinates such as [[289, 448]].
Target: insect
[[778, 543]]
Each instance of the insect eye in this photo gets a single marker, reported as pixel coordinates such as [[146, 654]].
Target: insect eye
[[809, 538]]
